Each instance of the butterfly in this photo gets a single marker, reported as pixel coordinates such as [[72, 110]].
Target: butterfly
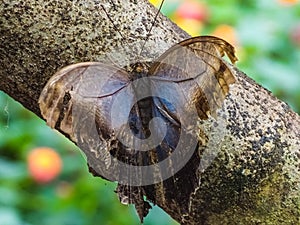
[[99, 106], [139, 125]]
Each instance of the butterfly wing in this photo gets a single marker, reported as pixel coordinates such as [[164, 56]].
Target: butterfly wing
[[84, 84], [92, 102], [78, 100], [197, 65]]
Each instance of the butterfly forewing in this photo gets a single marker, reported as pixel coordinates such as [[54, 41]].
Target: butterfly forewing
[[196, 64], [81, 85]]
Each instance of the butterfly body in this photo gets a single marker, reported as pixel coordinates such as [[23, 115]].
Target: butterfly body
[[144, 107]]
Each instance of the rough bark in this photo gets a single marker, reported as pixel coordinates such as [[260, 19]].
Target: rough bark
[[255, 178]]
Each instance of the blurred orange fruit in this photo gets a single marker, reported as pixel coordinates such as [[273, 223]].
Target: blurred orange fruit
[[44, 164], [288, 2], [191, 26], [227, 33]]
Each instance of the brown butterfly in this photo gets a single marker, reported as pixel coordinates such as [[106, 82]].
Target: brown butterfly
[[138, 125], [108, 110]]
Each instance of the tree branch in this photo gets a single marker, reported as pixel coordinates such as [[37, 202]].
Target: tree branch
[[255, 177]]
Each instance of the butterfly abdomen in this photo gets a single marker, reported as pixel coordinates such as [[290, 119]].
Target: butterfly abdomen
[[144, 103], [145, 111]]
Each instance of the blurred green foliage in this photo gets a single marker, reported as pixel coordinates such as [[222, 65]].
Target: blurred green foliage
[[268, 54]]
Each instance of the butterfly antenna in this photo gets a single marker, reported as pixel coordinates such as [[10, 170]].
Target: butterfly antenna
[[116, 29], [112, 22], [152, 25]]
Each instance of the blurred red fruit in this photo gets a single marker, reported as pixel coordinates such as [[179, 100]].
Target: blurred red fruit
[[192, 10], [295, 35], [44, 164]]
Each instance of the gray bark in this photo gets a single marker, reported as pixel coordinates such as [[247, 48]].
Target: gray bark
[[255, 178]]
